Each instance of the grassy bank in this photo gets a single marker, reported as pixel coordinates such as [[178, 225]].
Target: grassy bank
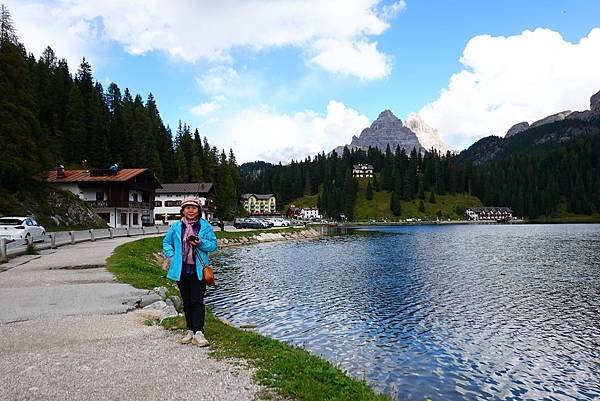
[[445, 206], [289, 370], [568, 219]]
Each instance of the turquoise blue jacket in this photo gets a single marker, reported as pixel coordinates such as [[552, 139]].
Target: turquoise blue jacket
[[173, 248]]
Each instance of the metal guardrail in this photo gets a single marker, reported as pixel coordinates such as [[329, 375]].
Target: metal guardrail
[[59, 238]]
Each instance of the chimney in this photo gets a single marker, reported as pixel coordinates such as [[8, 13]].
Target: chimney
[[60, 171]]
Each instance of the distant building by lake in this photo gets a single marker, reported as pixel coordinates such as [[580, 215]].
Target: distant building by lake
[[489, 213]]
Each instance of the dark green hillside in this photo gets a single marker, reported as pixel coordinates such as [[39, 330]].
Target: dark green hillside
[[547, 181], [537, 139], [549, 172]]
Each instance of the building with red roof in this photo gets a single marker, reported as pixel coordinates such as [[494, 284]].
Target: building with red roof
[[123, 198]]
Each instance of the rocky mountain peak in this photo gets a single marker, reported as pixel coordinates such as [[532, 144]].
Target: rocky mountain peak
[[386, 130], [517, 128], [386, 119], [428, 136]]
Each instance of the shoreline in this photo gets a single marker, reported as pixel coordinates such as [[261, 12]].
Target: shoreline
[[264, 237], [289, 371]]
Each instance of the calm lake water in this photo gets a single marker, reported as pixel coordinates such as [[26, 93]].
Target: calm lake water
[[442, 312]]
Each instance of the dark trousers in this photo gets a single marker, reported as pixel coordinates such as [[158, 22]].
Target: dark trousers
[[192, 293]]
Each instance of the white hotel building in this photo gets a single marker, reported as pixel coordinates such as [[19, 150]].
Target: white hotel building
[[167, 202]]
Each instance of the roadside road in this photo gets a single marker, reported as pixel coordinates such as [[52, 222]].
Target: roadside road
[[65, 334]]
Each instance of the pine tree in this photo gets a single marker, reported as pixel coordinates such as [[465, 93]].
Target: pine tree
[[349, 194], [23, 146], [182, 168], [421, 206], [196, 173], [369, 194], [8, 33], [432, 197], [395, 206], [376, 186], [75, 129], [226, 196], [421, 191]]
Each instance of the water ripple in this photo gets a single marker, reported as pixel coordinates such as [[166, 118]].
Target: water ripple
[[440, 312]]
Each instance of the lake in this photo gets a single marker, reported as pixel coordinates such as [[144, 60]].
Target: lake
[[447, 312]]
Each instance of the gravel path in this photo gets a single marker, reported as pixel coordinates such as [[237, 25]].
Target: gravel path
[[65, 335]]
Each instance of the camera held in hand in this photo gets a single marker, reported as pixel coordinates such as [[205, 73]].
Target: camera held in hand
[[193, 238]]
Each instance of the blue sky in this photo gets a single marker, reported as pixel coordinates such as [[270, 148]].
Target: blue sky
[[277, 80]]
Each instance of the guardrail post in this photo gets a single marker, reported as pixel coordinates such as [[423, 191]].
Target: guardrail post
[[72, 235], [143, 230], [92, 236], [30, 240], [127, 231], [110, 233], [52, 240], [157, 229], [3, 254]]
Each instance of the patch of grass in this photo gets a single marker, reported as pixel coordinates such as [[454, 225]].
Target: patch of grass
[[31, 250], [290, 370], [134, 263], [305, 201], [565, 218], [445, 207]]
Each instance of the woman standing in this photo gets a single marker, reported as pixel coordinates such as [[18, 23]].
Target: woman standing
[[187, 244]]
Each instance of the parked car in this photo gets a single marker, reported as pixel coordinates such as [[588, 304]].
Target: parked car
[[21, 228], [248, 223], [265, 222], [279, 222], [214, 222]]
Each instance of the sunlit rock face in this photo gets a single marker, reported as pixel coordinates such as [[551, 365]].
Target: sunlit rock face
[[386, 130], [428, 136], [517, 128]]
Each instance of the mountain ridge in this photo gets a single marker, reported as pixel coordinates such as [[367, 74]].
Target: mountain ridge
[[386, 130]]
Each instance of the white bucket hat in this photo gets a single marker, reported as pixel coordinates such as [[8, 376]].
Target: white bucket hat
[[191, 201]]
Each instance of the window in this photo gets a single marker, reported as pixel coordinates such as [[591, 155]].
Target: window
[[173, 203], [135, 219], [123, 219], [99, 196], [157, 203], [105, 217], [135, 196]]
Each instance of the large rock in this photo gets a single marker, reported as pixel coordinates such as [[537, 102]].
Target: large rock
[[552, 119], [517, 128], [427, 136], [149, 299], [386, 130], [168, 311], [591, 114], [595, 103]]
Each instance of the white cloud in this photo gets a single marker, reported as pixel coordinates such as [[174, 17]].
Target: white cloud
[[42, 24], [507, 80], [218, 80], [390, 11], [206, 30], [207, 108], [262, 134], [360, 59]]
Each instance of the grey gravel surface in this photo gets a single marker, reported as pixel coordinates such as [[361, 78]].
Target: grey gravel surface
[[65, 335]]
